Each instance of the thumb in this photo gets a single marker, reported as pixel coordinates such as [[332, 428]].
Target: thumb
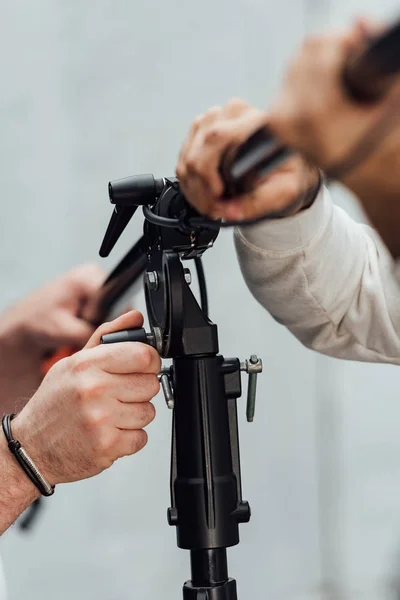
[[129, 320], [85, 280]]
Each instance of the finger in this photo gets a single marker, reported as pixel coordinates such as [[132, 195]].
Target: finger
[[272, 196], [209, 149], [235, 108], [131, 442], [134, 416], [367, 27], [194, 128], [197, 123], [72, 330], [129, 320], [122, 358], [131, 388], [86, 279], [198, 193]]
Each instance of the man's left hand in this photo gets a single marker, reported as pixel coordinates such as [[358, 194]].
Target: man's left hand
[[41, 323]]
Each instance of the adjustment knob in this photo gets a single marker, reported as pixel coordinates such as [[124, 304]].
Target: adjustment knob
[[154, 339]]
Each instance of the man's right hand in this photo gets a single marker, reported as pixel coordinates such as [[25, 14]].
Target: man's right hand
[[91, 408], [357, 143]]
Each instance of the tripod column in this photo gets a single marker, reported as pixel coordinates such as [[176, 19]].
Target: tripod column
[[206, 503]]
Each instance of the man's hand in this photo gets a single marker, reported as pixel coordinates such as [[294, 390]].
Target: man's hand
[[283, 193], [314, 115], [90, 410], [92, 407], [40, 323]]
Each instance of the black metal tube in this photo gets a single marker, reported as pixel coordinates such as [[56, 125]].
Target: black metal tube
[[209, 567], [205, 487]]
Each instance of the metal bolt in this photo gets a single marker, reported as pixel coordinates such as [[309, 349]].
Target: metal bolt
[[167, 388], [251, 398], [188, 276], [252, 367], [152, 280]]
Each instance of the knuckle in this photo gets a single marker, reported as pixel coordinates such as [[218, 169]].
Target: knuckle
[[144, 356], [107, 442], [236, 103], [197, 121], [79, 363], [255, 113], [104, 463], [104, 328], [89, 388], [192, 161], [156, 362], [62, 367], [292, 189], [154, 386], [144, 413], [291, 116], [214, 111], [150, 413], [180, 171], [214, 133], [94, 417], [139, 440]]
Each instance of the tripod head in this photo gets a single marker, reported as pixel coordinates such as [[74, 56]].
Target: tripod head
[[180, 227], [173, 232]]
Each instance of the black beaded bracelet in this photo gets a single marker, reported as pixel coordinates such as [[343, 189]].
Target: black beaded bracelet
[[24, 460]]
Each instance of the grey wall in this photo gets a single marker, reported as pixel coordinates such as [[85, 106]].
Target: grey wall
[[97, 90]]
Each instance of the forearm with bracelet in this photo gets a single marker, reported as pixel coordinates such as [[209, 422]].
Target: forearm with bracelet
[[24, 460]]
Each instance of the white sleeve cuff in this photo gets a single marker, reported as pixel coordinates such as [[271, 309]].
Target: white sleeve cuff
[[291, 233]]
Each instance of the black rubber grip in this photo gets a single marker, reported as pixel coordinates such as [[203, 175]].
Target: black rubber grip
[[127, 335]]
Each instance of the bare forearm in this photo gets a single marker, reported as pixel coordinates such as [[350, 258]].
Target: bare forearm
[[17, 492]]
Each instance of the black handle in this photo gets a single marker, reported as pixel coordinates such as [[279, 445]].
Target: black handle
[[365, 78], [127, 335]]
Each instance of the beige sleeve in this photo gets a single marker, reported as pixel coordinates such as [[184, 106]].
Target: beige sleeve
[[328, 279]]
